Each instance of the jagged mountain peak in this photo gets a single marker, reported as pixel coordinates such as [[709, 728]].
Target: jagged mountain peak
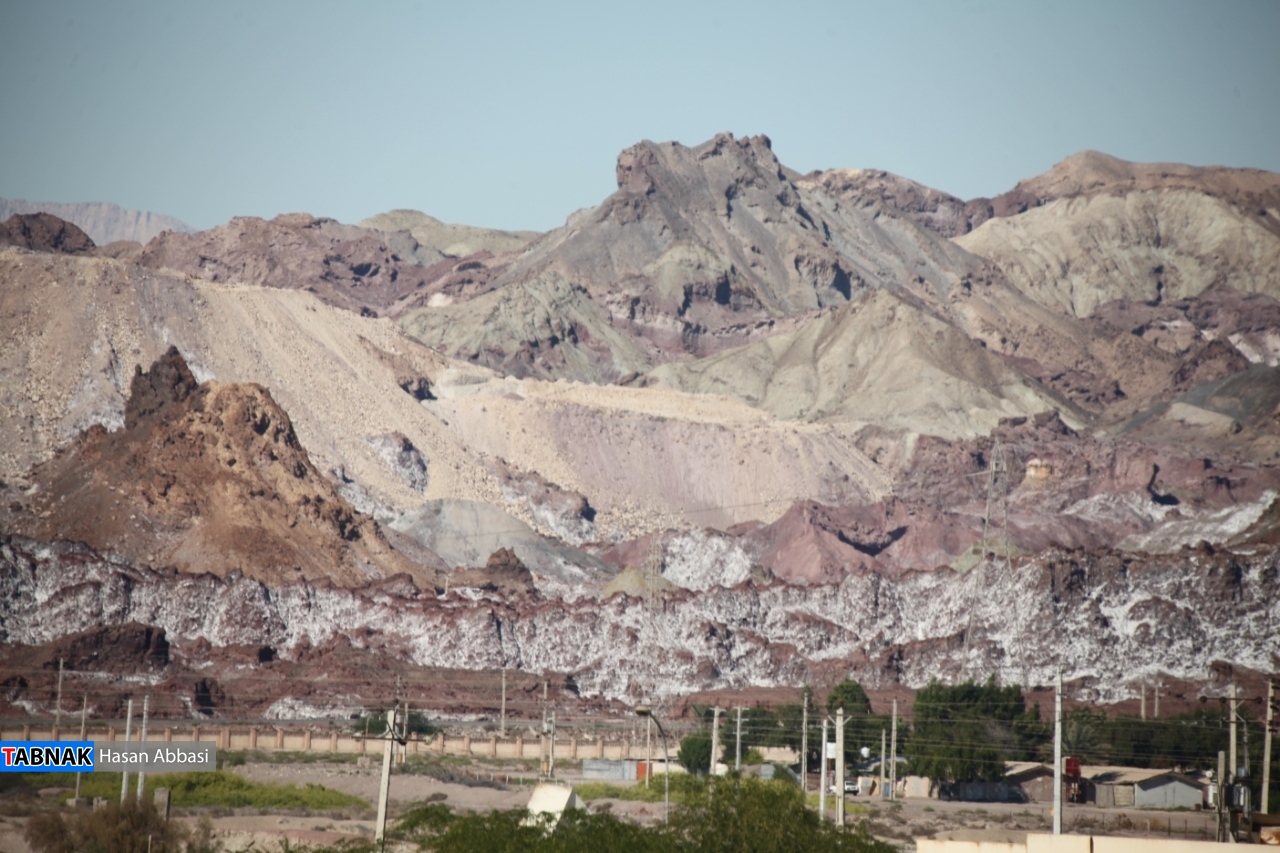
[[643, 166], [933, 209], [700, 249], [162, 388]]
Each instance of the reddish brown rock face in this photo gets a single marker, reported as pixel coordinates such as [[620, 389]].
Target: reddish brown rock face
[[205, 478], [354, 268], [43, 232]]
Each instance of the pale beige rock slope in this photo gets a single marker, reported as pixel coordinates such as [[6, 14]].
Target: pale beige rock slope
[[642, 457], [878, 360], [1096, 229], [447, 238]]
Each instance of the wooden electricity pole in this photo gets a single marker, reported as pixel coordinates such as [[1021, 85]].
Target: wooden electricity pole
[[1266, 746], [396, 723], [822, 775], [737, 743], [128, 730], [57, 711], [84, 709], [1057, 755], [142, 738], [1233, 768], [893, 755], [804, 746], [882, 767], [715, 738], [840, 767]]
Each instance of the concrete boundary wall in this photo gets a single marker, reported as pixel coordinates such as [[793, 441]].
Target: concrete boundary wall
[[321, 740], [1042, 843]]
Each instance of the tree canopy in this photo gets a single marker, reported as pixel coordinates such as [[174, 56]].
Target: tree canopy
[[969, 731]]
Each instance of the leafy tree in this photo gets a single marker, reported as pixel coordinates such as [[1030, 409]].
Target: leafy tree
[[735, 814], [969, 731], [695, 753], [862, 726], [851, 696], [1081, 734], [375, 723], [1182, 740]]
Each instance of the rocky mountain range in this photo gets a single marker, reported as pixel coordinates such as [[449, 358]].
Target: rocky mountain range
[[104, 222], [730, 427]]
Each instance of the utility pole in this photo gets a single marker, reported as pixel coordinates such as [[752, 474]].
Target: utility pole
[[128, 730], [822, 776], [551, 763], [1157, 712], [804, 746], [1234, 769], [389, 739], [737, 744], [1222, 796], [1266, 746], [648, 749], [542, 740], [502, 729], [142, 738], [1143, 705], [404, 745], [840, 767], [1057, 755], [882, 770], [893, 755], [57, 711], [715, 738], [84, 709]]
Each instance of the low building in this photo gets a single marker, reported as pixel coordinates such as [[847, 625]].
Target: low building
[[1132, 787], [1030, 781], [918, 787]]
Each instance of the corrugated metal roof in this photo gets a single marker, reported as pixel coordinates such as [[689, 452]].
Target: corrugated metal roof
[[1108, 775], [1101, 774]]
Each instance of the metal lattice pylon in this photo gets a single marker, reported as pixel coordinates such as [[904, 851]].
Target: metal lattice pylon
[[996, 522], [995, 530]]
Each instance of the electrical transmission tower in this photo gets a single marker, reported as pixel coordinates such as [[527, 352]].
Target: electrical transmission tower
[[996, 521], [995, 530]]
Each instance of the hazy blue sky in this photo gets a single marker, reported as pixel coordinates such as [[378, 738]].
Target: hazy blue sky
[[512, 114]]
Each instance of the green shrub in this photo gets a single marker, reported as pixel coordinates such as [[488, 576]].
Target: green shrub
[[203, 789], [231, 791], [106, 785], [695, 753], [423, 822], [723, 814], [683, 788]]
